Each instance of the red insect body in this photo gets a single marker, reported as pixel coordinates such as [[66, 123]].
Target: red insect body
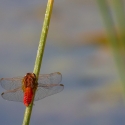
[[29, 85], [28, 96]]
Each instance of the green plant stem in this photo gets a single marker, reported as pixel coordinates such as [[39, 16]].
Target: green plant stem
[[112, 37], [118, 6], [39, 56]]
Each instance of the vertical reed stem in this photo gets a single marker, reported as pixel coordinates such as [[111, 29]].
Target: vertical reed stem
[[118, 6], [112, 37], [39, 56]]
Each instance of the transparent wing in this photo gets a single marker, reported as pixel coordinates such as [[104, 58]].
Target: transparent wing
[[50, 78], [11, 83], [46, 87], [47, 90], [13, 95]]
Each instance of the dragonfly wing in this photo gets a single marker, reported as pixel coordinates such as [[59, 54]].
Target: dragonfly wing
[[13, 95], [50, 78], [47, 90], [11, 83]]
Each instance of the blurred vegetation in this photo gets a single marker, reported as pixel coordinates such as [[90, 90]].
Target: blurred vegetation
[[115, 30]]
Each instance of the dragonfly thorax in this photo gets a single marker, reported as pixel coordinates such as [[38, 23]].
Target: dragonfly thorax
[[30, 80]]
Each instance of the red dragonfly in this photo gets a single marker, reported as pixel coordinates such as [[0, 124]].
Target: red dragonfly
[[21, 89]]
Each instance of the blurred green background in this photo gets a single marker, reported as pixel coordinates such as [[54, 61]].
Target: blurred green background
[[85, 43]]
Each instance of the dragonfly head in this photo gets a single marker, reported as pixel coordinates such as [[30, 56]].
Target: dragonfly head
[[31, 74]]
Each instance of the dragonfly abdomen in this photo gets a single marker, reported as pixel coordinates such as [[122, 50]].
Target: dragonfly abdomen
[[28, 96]]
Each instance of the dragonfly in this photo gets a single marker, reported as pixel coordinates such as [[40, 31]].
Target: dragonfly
[[25, 89]]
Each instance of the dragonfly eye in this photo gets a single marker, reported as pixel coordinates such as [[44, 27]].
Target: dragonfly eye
[[27, 74]]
